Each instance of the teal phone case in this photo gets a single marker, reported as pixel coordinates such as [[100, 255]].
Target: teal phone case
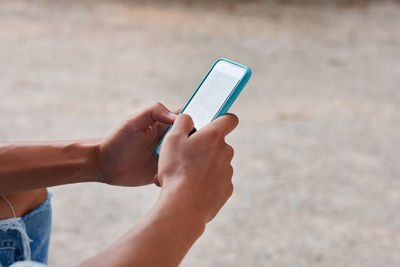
[[229, 101]]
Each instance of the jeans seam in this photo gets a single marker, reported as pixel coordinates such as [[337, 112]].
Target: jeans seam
[[5, 248]]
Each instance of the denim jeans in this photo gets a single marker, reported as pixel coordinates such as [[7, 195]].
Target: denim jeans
[[27, 237]]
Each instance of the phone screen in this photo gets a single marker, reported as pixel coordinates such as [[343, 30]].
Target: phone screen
[[213, 93]]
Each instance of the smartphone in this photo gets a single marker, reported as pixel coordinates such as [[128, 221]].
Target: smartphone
[[216, 93]]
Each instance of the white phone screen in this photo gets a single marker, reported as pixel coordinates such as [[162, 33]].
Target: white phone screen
[[213, 93]]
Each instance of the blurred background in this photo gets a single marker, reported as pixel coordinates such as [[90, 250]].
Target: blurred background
[[317, 149]]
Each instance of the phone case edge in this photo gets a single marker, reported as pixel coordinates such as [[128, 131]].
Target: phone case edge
[[229, 102]]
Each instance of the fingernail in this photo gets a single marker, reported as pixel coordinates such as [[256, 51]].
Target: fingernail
[[172, 115]]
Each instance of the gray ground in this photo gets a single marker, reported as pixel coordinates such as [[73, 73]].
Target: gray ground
[[317, 150]]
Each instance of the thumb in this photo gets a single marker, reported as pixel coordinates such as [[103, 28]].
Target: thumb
[[157, 113]]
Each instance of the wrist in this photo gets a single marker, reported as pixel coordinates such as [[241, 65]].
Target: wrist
[[88, 151], [172, 204]]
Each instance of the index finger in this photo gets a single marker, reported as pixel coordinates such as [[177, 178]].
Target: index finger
[[183, 125], [226, 123]]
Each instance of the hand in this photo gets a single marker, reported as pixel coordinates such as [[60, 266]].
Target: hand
[[195, 175], [196, 171], [127, 157]]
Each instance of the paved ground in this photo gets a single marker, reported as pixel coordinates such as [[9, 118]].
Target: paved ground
[[317, 151]]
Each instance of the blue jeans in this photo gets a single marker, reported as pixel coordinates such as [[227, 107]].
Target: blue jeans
[[27, 237]]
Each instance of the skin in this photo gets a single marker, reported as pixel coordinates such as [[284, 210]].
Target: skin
[[22, 202], [194, 174]]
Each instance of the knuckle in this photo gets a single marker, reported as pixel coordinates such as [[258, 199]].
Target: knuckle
[[215, 134], [230, 151], [230, 171], [230, 189]]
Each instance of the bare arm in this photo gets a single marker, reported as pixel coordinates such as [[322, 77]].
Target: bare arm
[[31, 165], [195, 175], [126, 157], [161, 238]]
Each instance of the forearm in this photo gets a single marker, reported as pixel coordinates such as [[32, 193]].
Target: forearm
[[31, 165], [161, 238]]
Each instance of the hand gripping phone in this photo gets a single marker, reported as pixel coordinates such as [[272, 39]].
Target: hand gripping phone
[[216, 93]]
